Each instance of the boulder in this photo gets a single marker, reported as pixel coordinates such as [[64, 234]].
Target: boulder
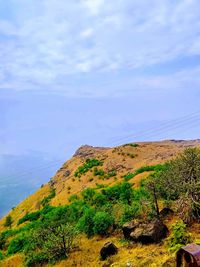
[[107, 250], [145, 233], [128, 228]]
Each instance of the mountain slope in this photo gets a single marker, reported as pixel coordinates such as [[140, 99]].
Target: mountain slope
[[95, 167]]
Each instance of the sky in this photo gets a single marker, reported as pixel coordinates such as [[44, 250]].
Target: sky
[[94, 72]]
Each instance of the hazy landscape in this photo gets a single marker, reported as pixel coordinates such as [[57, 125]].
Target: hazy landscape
[[99, 136]]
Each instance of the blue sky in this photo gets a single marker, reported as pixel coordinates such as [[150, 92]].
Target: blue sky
[[93, 72]]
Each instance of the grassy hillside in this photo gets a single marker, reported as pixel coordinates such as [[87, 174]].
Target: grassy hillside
[[85, 184]]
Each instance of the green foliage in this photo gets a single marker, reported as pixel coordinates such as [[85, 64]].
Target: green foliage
[[88, 195], [50, 243], [119, 192], [33, 216], [1, 256], [46, 200], [102, 222], [103, 175], [89, 164], [72, 198], [86, 222], [2, 240], [98, 172], [179, 237], [131, 144], [9, 221], [130, 212], [155, 168], [34, 259], [180, 182], [17, 245]]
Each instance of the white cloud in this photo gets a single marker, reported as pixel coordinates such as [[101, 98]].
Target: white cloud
[[50, 39]]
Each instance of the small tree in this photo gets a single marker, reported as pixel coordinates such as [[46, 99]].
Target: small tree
[[179, 237], [180, 181], [102, 222], [8, 221], [50, 242]]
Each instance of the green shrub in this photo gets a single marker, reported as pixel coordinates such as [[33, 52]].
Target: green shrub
[[111, 173], [50, 242], [88, 195], [122, 192], [17, 245], [130, 212], [1, 256], [34, 259], [86, 222], [100, 200], [98, 172], [102, 222], [179, 237], [89, 164], [2, 240], [33, 216], [128, 176], [9, 221], [131, 144], [73, 198], [46, 200], [155, 168]]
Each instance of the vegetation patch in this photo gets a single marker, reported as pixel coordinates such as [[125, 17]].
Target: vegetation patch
[[155, 168], [89, 164]]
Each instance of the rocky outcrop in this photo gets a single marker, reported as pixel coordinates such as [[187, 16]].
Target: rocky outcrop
[[107, 250], [88, 151], [145, 233]]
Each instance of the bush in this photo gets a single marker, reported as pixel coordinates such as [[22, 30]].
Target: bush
[[89, 164], [102, 222], [86, 222], [73, 198], [155, 168], [131, 144], [8, 222], [46, 200], [130, 212], [33, 216], [88, 195], [179, 237], [50, 242], [119, 192], [1, 256], [17, 245], [34, 259], [2, 240]]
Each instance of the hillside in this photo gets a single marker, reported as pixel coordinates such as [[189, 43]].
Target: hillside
[[96, 167]]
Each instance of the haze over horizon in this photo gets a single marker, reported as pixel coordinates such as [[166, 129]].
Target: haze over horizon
[[92, 72]]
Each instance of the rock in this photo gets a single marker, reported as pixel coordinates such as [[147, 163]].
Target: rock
[[146, 233], [67, 173], [128, 228], [165, 212], [107, 250], [87, 152]]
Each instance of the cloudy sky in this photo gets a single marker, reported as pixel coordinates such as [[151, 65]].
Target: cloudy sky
[[96, 72]]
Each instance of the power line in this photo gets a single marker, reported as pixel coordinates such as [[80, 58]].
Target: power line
[[163, 127], [188, 120]]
